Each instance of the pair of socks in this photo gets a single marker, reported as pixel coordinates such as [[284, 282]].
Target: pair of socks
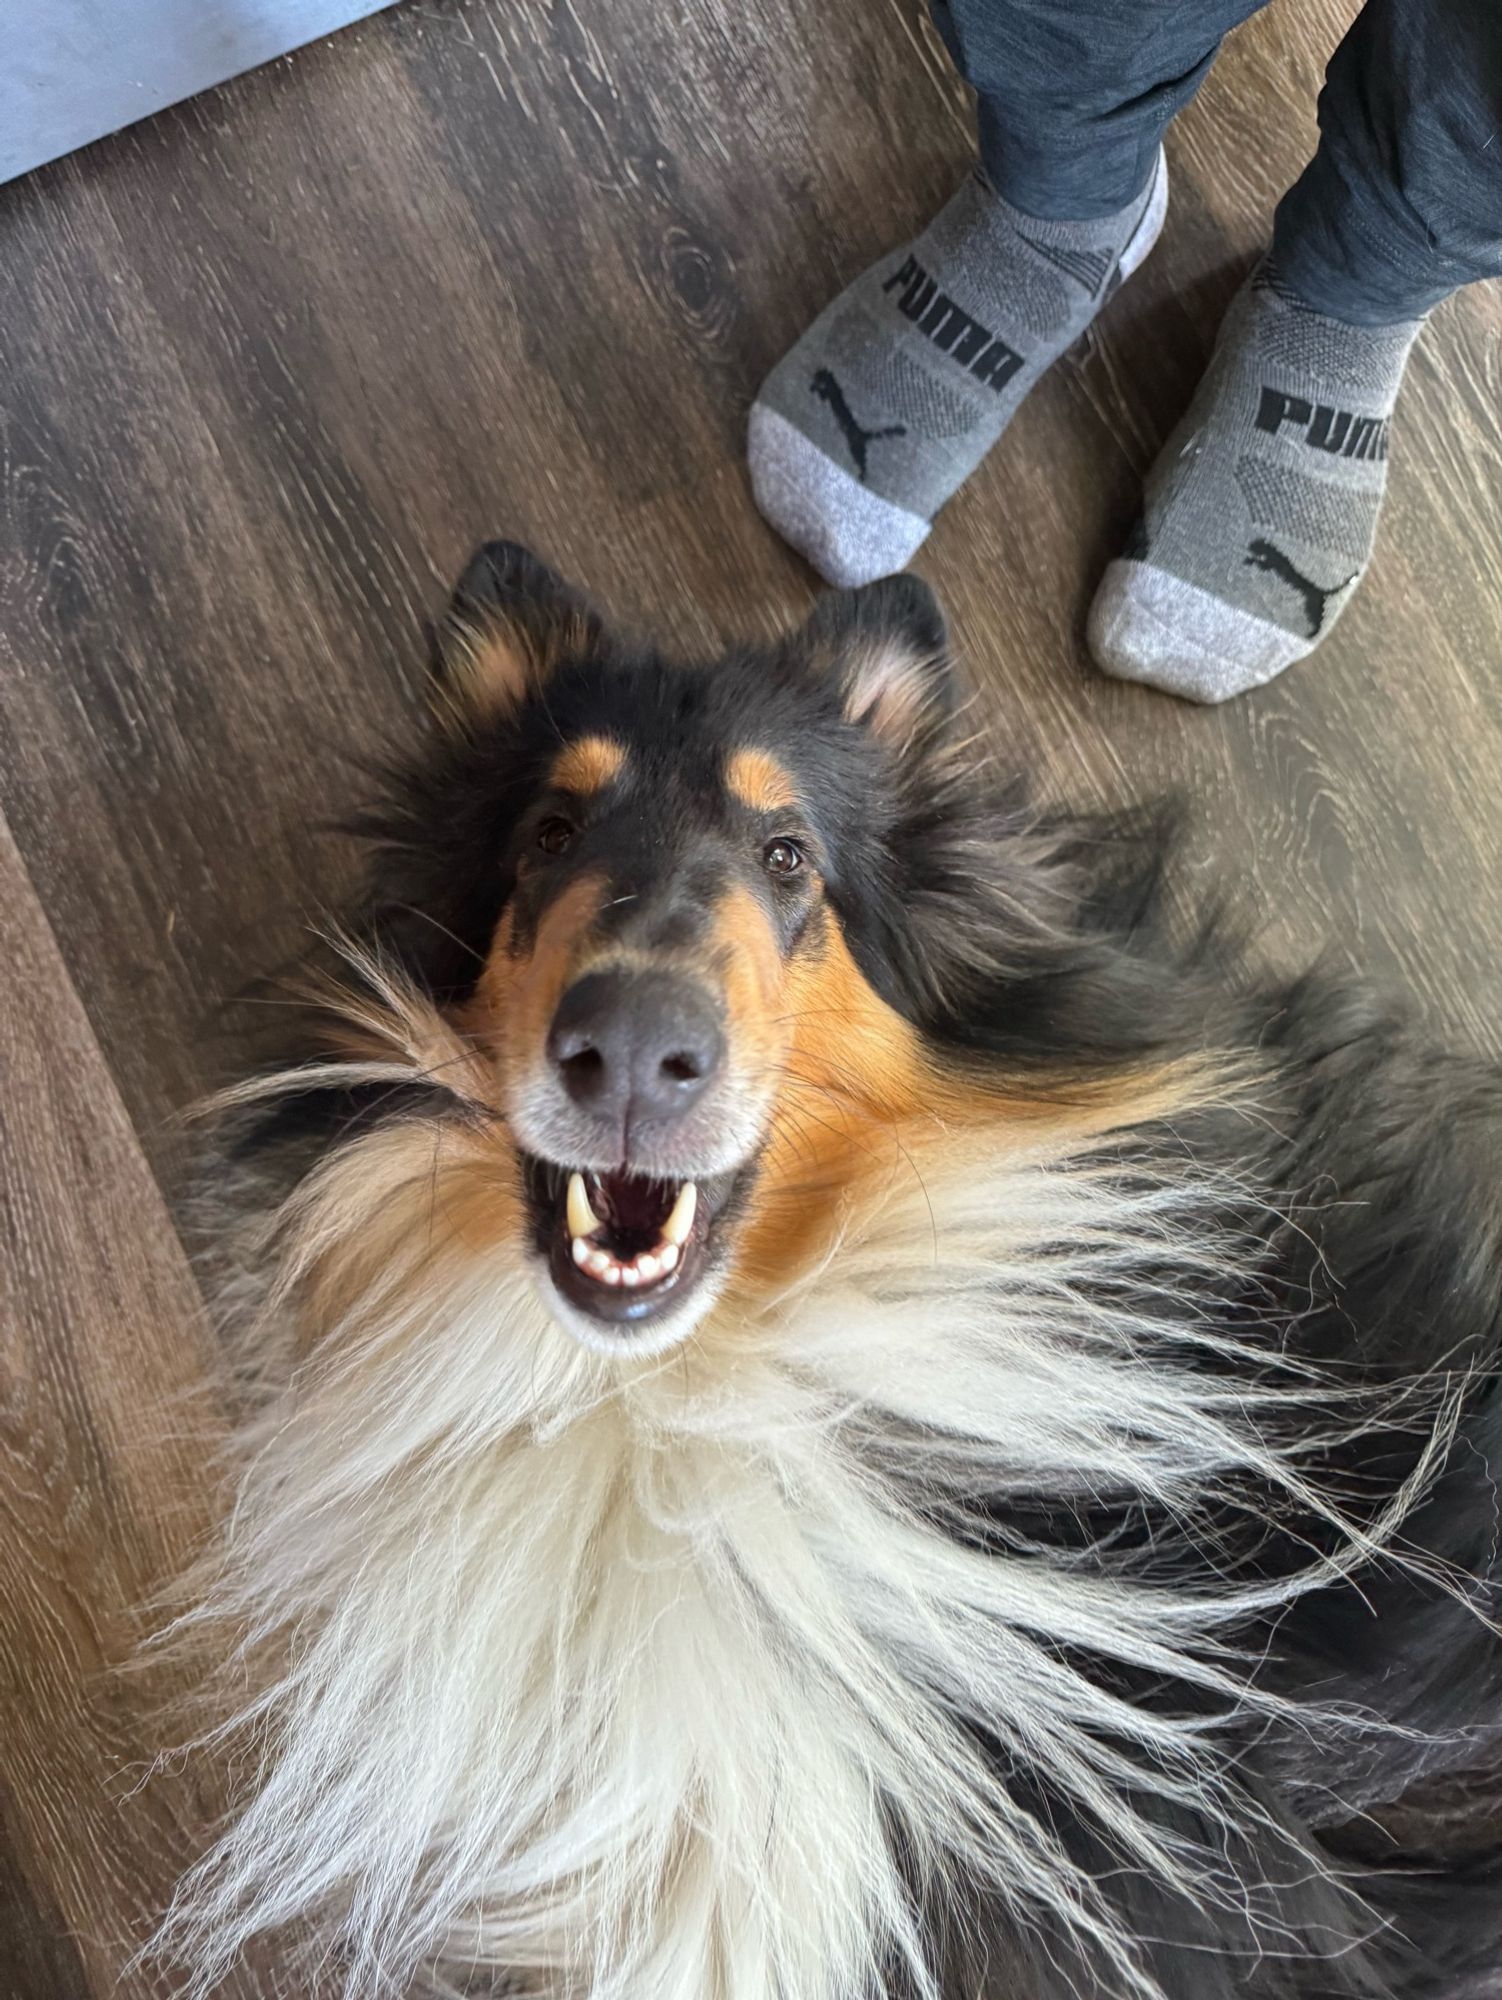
[[1259, 515]]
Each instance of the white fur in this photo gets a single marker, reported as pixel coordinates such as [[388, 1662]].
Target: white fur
[[627, 1674]]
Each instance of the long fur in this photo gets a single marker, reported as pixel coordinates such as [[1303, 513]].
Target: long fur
[[1019, 1593], [662, 1679]]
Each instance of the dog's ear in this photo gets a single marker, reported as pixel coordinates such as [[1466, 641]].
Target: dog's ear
[[887, 648], [510, 623]]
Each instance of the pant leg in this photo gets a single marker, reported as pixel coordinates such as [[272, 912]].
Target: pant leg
[[1075, 94], [1402, 203]]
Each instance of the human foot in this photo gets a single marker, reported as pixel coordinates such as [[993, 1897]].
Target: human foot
[[902, 385], [1261, 510]]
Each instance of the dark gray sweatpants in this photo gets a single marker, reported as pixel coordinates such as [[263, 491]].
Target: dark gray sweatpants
[[1402, 202]]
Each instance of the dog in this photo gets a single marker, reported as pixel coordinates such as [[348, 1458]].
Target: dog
[[831, 1413]]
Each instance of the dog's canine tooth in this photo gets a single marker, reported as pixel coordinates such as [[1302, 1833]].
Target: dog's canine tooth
[[681, 1221], [582, 1220]]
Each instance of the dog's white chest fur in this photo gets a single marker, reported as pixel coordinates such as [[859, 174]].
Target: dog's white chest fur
[[639, 1677]]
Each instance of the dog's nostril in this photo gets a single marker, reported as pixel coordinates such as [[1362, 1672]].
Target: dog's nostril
[[584, 1068], [683, 1068]]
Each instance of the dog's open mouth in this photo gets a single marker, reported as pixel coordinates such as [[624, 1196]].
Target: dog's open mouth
[[623, 1247]]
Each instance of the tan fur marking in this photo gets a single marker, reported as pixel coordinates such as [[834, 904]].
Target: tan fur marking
[[749, 965], [517, 995], [853, 1070], [888, 686], [490, 669], [861, 1100], [889, 691], [587, 765], [760, 782]]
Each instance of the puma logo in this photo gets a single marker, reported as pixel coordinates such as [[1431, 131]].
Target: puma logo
[[955, 332], [1264, 555], [857, 437], [1343, 433]]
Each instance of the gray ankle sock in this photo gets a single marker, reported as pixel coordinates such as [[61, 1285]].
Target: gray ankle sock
[[1260, 513], [903, 384]]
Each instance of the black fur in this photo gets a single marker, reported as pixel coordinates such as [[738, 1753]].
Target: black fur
[[1035, 945]]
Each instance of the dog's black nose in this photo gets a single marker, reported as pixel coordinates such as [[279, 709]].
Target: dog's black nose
[[635, 1046]]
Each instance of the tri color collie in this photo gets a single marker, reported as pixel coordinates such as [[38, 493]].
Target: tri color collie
[[833, 1417]]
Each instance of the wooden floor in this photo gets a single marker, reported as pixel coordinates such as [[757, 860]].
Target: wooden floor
[[269, 367]]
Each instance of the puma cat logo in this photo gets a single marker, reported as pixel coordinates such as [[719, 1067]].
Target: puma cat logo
[[857, 437], [1265, 555]]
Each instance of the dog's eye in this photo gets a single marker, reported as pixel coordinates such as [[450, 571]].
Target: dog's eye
[[556, 836], [782, 857]]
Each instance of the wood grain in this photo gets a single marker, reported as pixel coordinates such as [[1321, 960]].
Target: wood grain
[[274, 362], [105, 1443]]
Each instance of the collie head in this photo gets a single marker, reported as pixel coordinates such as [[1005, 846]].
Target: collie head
[[729, 1298], [695, 943]]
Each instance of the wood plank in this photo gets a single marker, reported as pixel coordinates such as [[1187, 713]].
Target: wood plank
[[38, 1959], [105, 1444]]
